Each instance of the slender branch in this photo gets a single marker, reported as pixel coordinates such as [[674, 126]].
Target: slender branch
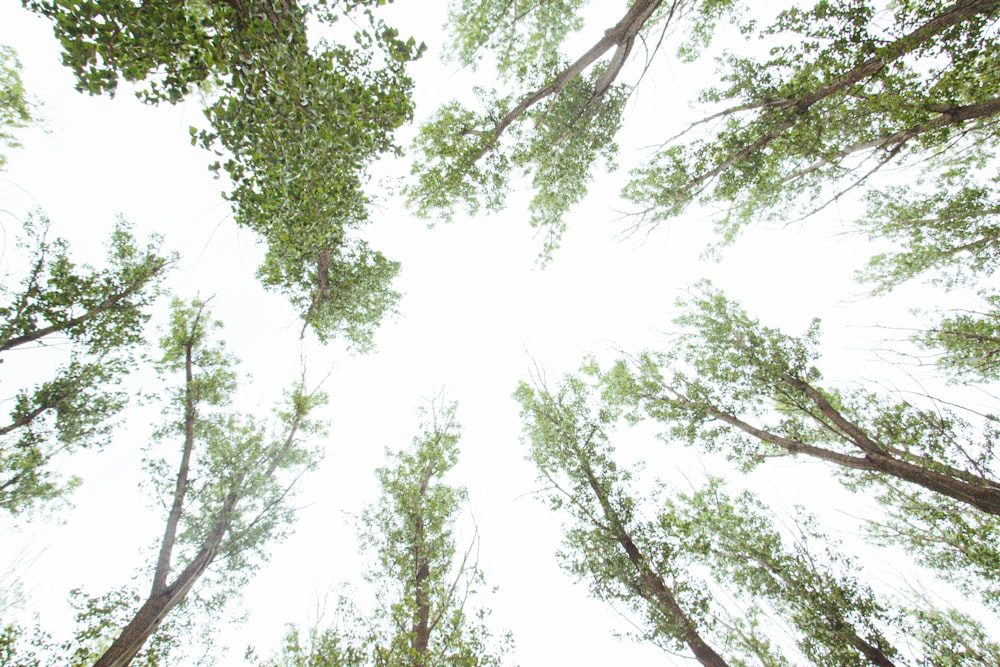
[[29, 417], [162, 570], [450, 595]]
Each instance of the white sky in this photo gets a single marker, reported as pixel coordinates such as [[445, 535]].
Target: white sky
[[476, 310]]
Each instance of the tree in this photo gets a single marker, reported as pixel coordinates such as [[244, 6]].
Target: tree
[[679, 561], [420, 617], [295, 127], [844, 90], [100, 314], [732, 385], [226, 489], [968, 342], [559, 119], [571, 452], [229, 495]]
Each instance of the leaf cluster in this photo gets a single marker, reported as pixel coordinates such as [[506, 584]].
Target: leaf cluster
[[15, 108]]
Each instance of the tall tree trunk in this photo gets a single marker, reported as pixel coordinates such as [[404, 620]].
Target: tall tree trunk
[[421, 631], [162, 570], [156, 607]]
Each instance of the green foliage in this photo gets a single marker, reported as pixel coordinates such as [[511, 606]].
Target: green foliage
[[626, 561], [843, 92], [21, 647], [568, 135], [317, 649], [843, 89], [172, 45], [960, 546], [295, 127], [227, 482], [422, 588], [968, 343], [729, 384], [760, 593], [523, 35], [811, 585], [952, 233], [98, 310], [239, 463], [300, 128], [461, 167], [99, 315], [953, 640], [551, 118], [15, 109]]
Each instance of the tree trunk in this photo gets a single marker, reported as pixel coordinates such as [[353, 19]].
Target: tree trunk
[[155, 609], [421, 631]]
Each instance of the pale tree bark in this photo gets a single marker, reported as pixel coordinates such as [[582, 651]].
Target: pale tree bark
[[154, 610], [162, 570], [420, 633]]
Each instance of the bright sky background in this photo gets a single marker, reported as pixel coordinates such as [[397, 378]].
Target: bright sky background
[[478, 311]]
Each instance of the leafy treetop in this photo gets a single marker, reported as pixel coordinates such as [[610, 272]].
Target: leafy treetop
[[422, 586], [295, 126]]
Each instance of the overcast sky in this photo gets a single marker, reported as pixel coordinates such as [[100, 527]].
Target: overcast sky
[[477, 313]]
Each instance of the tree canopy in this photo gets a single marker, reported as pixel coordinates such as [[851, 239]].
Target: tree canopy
[[813, 104], [840, 91], [295, 126], [420, 617]]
